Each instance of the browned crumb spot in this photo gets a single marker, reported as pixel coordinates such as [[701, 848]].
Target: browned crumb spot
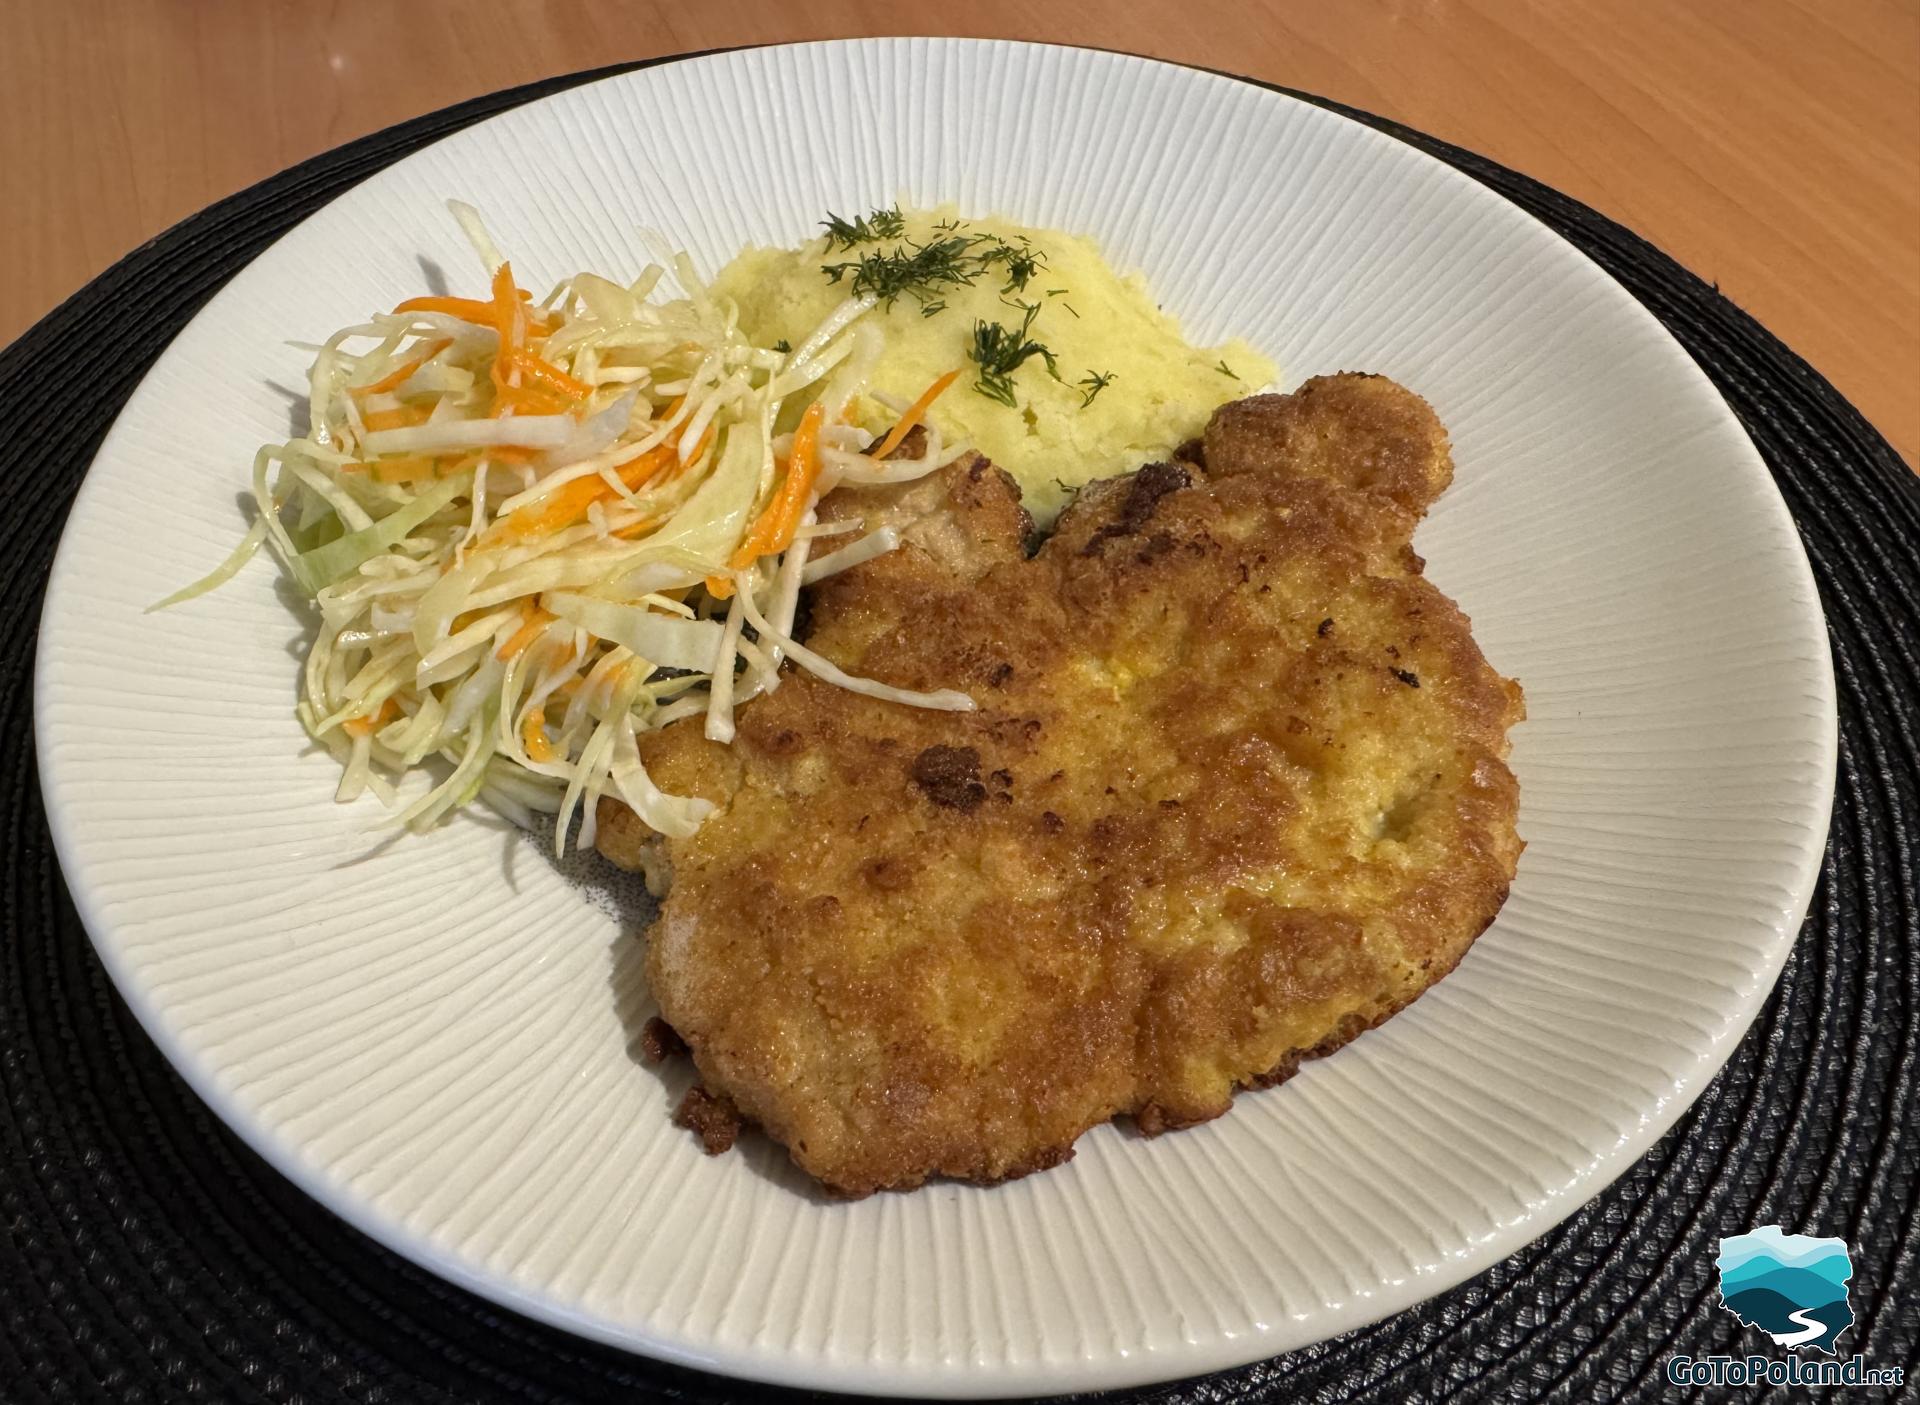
[[710, 1117], [1144, 491], [1152, 1120], [950, 776], [659, 1041]]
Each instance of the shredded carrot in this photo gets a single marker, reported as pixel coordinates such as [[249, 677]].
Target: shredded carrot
[[536, 399], [509, 317], [495, 453], [636, 529], [508, 320], [394, 378], [560, 509], [773, 530], [915, 413], [466, 309], [533, 735], [479, 311], [401, 418], [540, 386], [404, 469], [366, 726], [552, 376], [568, 504], [536, 619]]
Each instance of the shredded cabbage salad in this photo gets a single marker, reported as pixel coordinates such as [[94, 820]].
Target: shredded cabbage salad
[[534, 530]]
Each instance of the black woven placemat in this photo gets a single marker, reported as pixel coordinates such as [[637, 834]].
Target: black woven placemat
[[146, 1255]]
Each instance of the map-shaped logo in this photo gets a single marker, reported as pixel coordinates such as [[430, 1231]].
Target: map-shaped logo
[[1793, 1287]]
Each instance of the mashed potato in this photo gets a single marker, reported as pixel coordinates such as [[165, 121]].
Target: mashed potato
[[1125, 388]]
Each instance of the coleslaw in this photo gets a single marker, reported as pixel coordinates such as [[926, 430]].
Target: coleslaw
[[534, 530]]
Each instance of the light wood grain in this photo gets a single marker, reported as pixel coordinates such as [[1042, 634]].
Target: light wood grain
[[1772, 146]]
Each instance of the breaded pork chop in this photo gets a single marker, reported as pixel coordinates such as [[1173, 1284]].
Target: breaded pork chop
[[1234, 793]]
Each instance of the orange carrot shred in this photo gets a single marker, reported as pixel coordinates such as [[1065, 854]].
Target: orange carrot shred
[[508, 315], [394, 378], [536, 619], [482, 312], [401, 418], [533, 735], [915, 413], [404, 469], [466, 309], [773, 530], [367, 726], [552, 376], [636, 529], [538, 399], [568, 503]]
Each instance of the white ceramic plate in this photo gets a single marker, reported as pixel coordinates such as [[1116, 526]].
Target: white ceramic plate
[[432, 1039]]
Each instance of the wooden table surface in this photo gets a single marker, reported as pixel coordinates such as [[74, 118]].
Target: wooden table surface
[[1772, 146]]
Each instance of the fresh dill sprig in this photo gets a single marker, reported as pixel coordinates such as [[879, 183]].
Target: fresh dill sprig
[[917, 270], [954, 257], [1000, 350], [1224, 369], [1021, 261], [1091, 384], [877, 224]]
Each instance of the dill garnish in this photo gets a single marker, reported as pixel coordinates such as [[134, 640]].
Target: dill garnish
[[878, 224], [999, 351], [916, 270], [955, 257], [1092, 383], [1022, 262], [1224, 369]]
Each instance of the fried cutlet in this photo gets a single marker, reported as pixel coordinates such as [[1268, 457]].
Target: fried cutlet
[[1234, 793]]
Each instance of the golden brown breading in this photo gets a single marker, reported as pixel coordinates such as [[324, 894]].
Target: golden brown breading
[[1234, 793]]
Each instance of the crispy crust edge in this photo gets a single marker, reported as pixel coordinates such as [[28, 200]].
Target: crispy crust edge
[[717, 1126], [1152, 1121]]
